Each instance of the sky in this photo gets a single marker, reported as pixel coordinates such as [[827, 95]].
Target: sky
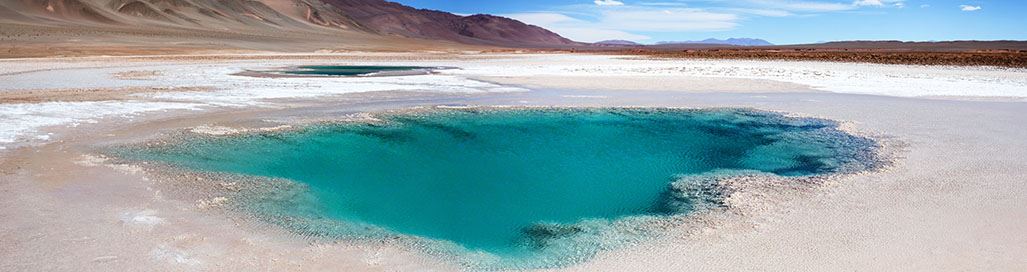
[[777, 21]]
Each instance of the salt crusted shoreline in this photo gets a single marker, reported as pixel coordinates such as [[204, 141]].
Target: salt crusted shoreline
[[952, 201]]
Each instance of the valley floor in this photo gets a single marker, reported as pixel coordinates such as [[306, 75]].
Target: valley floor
[[953, 200]]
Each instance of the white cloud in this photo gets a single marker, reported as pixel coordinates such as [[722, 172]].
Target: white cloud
[[667, 20], [969, 8], [805, 6], [622, 22], [609, 3], [762, 12], [880, 3], [573, 28], [613, 19], [868, 3], [823, 6], [595, 35], [542, 18]]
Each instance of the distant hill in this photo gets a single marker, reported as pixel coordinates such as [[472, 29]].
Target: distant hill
[[617, 43], [731, 41]]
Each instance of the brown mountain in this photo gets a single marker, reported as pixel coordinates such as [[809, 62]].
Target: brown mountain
[[395, 19], [260, 24]]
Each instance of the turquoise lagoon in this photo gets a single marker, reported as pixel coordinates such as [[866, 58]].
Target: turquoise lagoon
[[513, 188], [348, 70]]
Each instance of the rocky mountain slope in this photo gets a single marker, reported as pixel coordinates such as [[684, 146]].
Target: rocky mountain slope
[[396, 19], [262, 21]]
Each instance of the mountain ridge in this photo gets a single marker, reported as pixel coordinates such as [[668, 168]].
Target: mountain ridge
[[729, 41], [278, 19], [616, 43]]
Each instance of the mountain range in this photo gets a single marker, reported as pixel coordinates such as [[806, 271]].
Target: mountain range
[[711, 41], [34, 28], [257, 23], [616, 43], [730, 41]]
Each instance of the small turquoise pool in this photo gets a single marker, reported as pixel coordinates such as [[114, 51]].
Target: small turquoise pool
[[349, 70], [512, 188]]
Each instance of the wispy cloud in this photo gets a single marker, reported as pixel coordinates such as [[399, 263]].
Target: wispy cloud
[[802, 6], [667, 20], [573, 28], [969, 8], [629, 20], [619, 23], [609, 3], [761, 12], [868, 3]]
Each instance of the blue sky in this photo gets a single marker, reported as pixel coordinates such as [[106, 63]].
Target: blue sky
[[778, 21]]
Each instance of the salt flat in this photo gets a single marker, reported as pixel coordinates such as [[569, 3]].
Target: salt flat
[[475, 74], [952, 201]]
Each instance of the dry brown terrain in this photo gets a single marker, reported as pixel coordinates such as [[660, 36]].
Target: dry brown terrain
[[1005, 58], [18, 40], [960, 53], [45, 28]]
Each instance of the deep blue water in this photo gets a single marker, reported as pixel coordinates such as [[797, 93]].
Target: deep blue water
[[346, 70], [512, 188]]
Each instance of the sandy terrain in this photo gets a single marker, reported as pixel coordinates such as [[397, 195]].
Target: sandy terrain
[[1000, 58], [956, 53], [74, 39], [953, 200]]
